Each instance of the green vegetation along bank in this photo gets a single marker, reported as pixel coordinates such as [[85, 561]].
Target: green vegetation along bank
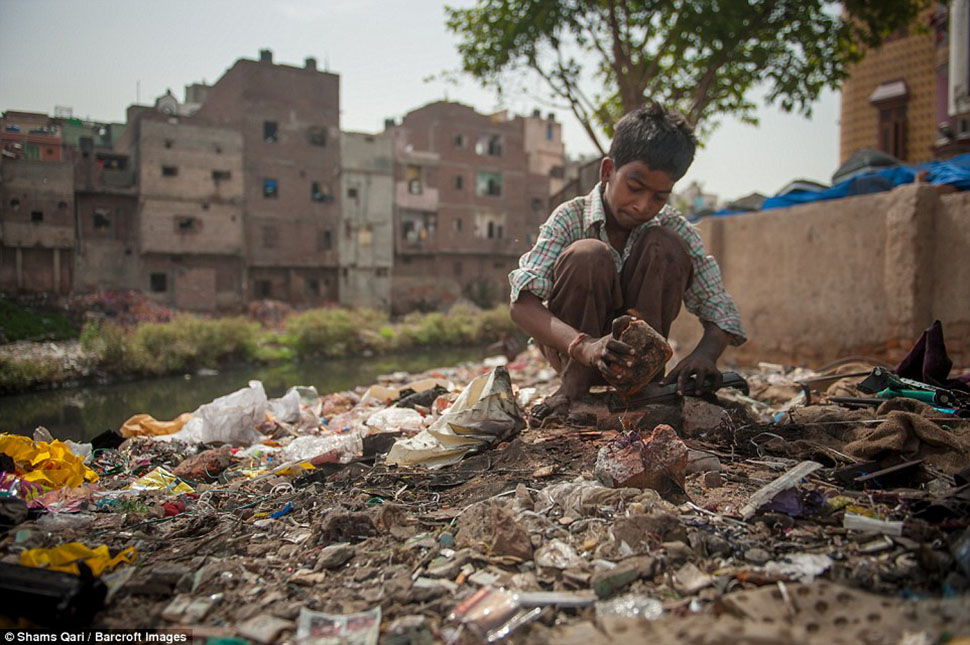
[[189, 343]]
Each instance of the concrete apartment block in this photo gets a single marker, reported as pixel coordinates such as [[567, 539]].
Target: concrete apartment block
[[37, 232], [190, 211], [468, 203], [366, 241], [859, 276], [290, 125]]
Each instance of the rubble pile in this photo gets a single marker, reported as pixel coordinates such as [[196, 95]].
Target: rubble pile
[[423, 509]]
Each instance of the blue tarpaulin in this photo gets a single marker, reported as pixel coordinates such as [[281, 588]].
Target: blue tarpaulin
[[955, 172]]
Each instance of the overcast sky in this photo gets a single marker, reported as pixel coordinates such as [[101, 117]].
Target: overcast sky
[[99, 56]]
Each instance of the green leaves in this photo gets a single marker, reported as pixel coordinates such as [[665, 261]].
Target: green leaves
[[701, 57]]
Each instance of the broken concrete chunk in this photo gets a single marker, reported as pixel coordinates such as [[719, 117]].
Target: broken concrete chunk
[[635, 460], [334, 556], [264, 628], [652, 352], [689, 579], [493, 530], [700, 417]]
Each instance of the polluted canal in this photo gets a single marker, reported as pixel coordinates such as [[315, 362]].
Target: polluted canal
[[84, 412]]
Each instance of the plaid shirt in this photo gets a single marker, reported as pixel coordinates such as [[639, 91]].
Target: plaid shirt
[[584, 218]]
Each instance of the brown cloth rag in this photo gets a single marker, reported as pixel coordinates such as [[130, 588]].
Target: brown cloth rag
[[913, 437]]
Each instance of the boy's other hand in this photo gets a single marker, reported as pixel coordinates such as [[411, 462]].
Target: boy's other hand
[[614, 359], [707, 378]]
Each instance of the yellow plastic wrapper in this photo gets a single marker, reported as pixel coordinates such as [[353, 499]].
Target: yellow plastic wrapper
[[145, 425], [159, 479], [65, 558], [52, 465]]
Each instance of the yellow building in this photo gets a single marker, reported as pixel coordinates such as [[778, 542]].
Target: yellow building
[[909, 97]]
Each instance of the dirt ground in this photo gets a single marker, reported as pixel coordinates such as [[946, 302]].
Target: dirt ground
[[245, 554]]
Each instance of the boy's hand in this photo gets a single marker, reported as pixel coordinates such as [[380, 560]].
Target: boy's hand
[[702, 368], [613, 359]]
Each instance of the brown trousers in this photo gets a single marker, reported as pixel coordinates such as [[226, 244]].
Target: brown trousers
[[588, 293]]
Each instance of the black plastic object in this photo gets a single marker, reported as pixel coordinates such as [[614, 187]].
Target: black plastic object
[[668, 393], [49, 598]]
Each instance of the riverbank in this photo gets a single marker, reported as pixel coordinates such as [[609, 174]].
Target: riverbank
[[109, 350]]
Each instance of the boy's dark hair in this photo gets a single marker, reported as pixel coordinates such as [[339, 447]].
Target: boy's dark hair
[[663, 140]]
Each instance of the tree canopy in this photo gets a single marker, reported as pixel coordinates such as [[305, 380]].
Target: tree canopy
[[700, 57]]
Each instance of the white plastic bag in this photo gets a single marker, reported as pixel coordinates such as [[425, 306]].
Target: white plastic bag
[[228, 419]]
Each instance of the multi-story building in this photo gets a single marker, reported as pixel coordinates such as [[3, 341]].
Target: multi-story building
[[289, 120], [190, 210], [366, 244], [30, 136], [467, 202], [909, 97]]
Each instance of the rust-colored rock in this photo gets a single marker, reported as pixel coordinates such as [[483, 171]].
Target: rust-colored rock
[[205, 466], [638, 460], [652, 353]]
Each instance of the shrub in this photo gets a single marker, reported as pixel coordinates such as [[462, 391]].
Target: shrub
[[187, 343], [20, 323], [19, 375], [106, 343], [324, 332]]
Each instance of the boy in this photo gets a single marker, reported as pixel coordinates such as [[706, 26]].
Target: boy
[[621, 248]]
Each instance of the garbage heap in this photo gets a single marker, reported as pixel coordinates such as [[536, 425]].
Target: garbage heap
[[425, 509]]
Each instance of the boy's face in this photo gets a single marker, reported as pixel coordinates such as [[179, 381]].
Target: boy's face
[[634, 193]]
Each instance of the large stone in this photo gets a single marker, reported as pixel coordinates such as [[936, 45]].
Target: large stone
[[700, 418], [657, 461], [334, 556], [652, 353], [493, 530]]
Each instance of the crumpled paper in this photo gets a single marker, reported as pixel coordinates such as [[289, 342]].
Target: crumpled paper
[[48, 464], [66, 556], [484, 414]]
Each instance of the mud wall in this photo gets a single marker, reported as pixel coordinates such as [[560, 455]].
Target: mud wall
[[857, 276]]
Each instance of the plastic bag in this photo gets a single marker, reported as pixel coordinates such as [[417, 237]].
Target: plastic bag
[[145, 425], [484, 414], [228, 419], [404, 420], [161, 479], [348, 447], [48, 464], [66, 556]]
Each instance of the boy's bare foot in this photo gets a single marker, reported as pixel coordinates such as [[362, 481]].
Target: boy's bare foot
[[576, 379]]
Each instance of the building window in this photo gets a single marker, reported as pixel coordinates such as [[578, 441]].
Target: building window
[[413, 178], [36, 216], [459, 182], [320, 192], [536, 204], [168, 143], [15, 204], [264, 288], [417, 226], [549, 132], [221, 175], [324, 240], [380, 272], [316, 136], [101, 219], [365, 236], [351, 193], [459, 141], [270, 237], [490, 145], [490, 226], [312, 287], [158, 282], [557, 172], [488, 184], [457, 225], [187, 224], [271, 189], [271, 131], [62, 205], [170, 171]]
